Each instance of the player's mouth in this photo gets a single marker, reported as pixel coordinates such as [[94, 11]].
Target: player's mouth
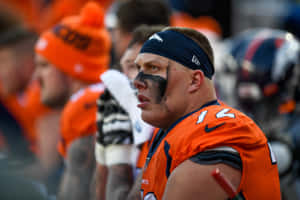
[[144, 101]]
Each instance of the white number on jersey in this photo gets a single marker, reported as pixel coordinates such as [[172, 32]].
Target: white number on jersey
[[220, 114]]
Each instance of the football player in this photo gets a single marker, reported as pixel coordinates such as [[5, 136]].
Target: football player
[[197, 132], [122, 135], [70, 57]]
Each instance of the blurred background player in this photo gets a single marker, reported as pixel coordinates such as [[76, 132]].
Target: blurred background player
[[267, 89], [70, 58], [220, 11], [20, 95], [204, 24], [15, 73], [116, 146], [128, 15]]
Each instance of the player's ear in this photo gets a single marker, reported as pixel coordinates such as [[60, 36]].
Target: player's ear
[[197, 78]]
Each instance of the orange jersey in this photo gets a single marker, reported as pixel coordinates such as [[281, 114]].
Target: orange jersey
[[141, 161], [27, 108], [79, 116], [213, 126], [143, 155]]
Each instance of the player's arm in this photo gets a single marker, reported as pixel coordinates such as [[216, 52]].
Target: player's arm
[[191, 180], [49, 160], [135, 192], [98, 185], [79, 170], [114, 147], [119, 181], [115, 181]]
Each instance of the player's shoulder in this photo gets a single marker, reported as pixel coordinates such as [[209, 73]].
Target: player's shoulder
[[219, 112], [219, 120], [218, 125], [87, 93], [83, 100]]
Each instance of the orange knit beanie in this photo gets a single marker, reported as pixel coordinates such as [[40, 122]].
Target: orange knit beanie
[[78, 45]]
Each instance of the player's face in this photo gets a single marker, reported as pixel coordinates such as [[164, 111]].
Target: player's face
[[128, 66], [10, 79], [120, 41], [162, 89], [54, 84]]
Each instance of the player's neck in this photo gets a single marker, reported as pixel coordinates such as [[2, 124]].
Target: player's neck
[[203, 96], [77, 85]]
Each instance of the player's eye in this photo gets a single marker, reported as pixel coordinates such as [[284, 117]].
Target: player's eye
[[153, 68], [138, 67]]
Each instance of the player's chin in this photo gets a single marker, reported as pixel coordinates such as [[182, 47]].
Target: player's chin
[[147, 115], [46, 100], [51, 101], [152, 117]]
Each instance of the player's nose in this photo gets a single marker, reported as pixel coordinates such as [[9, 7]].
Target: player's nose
[[139, 83]]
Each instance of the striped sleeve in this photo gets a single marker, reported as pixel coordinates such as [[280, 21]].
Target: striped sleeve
[[113, 122]]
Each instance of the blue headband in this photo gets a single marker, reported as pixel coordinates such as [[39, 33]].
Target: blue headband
[[178, 47]]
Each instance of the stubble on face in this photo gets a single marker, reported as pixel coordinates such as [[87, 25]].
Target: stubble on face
[[55, 91], [55, 101]]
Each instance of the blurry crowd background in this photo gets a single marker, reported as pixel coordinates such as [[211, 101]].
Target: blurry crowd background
[[233, 15], [30, 131]]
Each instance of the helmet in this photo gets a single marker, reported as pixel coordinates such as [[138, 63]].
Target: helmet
[[234, 49], [267, 78], [237, 45]]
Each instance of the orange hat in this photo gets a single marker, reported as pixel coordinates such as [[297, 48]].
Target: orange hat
[[78, 45]]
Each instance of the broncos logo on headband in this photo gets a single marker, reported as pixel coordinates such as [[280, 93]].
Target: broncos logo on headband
[[156, 37]]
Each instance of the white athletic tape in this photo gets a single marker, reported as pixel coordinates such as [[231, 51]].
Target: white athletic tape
[[121, 154], [100, 153]]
